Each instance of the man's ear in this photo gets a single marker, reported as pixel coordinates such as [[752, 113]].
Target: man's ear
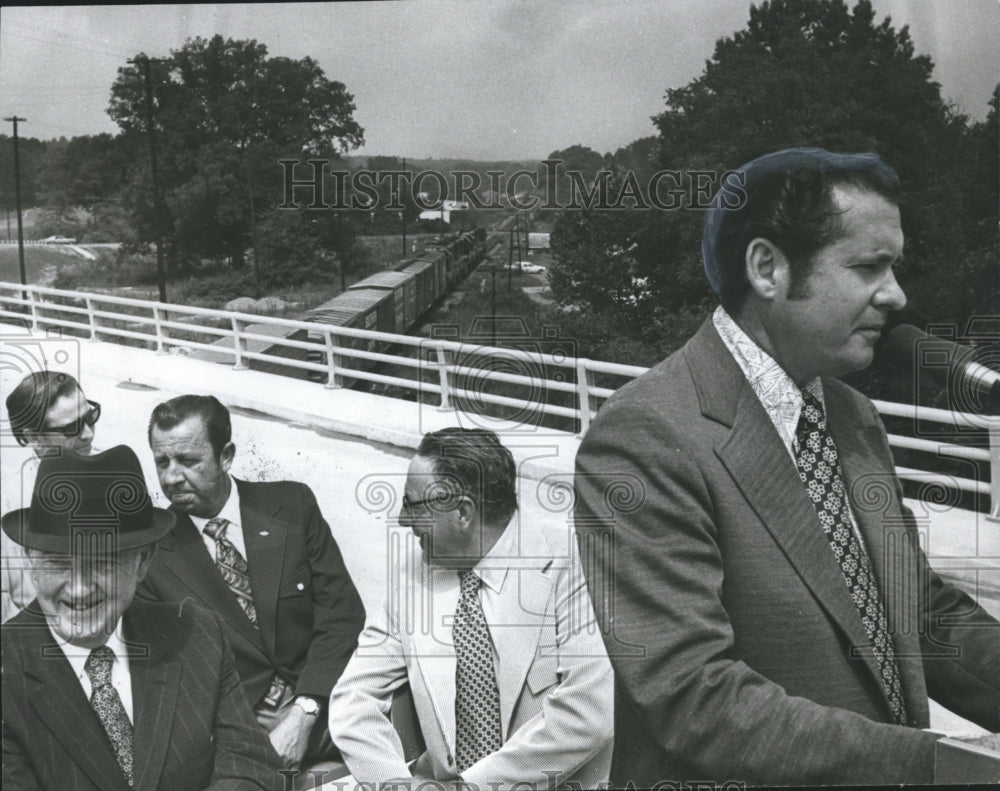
[[466, 510], [145, 559], [766, 268], [227, 456]]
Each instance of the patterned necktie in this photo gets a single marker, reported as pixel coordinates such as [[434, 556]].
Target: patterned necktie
[[819, 470], [477, 697], [108, 707], [232, 566]]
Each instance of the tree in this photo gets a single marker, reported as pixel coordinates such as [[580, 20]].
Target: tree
[[808, 73], [224, 114]]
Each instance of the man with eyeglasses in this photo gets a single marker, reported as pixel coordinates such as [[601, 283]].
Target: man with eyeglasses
[[489, 622], [48, 413]]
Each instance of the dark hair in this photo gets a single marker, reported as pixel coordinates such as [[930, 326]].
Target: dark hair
[[30, 401], [214, 417], [790, 202], [483, 467]]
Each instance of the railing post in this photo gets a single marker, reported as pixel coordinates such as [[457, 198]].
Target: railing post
[[587, 403], [994, 435], [92, 318], [33, 308], [444, 361], [240, 344], [161, 332], [333, 361]]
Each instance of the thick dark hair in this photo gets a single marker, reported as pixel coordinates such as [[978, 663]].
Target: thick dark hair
[[484, 468], [214, 417], [796, 211], [30, 401]]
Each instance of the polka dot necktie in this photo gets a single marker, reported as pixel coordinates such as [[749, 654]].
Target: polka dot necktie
[[108, 707], [477, 697], [232, 566], [819, 469]]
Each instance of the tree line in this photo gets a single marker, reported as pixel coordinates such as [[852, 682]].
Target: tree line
[[802, 73]]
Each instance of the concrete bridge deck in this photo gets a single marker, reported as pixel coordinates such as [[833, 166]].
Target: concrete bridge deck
[[353, 449]]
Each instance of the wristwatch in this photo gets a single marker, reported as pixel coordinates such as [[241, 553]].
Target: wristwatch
[[308, 705]]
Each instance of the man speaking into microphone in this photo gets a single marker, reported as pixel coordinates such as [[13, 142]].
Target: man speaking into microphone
[[765, 603]]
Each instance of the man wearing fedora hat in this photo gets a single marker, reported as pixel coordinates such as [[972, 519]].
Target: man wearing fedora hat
[[101, 693]]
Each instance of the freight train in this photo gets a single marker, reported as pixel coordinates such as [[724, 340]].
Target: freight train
[[392, 301]]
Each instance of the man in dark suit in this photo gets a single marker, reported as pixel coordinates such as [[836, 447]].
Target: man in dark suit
[[101, 693], [262, 557], [766, 606]]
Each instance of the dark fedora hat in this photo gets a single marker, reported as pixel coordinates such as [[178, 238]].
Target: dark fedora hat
[[98, 501]]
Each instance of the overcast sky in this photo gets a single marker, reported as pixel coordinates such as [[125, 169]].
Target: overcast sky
[[484, 80]]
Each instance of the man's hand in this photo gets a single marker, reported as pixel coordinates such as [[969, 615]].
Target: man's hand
[[291, 736]]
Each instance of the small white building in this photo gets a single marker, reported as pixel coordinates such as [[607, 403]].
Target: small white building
[[538, 241]]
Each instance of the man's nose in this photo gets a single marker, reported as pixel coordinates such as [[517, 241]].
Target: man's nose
[[87, 434], [890, 294], [171, 474]]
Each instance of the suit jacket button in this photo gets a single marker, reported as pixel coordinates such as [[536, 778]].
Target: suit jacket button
[[300, 586], [451, 760]]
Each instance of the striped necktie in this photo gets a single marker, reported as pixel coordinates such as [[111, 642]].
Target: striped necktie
[[232, 566]]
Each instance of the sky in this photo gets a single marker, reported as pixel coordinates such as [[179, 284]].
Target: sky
[[499, 80]]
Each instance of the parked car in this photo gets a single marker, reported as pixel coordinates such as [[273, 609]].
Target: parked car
[[59, 240], [532, 269]]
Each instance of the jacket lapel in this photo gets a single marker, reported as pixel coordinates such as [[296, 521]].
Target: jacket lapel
[[60, 703], [765, 473], [155, 680], [431, 641], [186, 556], [264, 537], [522, 612]]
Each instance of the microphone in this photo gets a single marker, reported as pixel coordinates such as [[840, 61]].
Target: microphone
[[971, 386]]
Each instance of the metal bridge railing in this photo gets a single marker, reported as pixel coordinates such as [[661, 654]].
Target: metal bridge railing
[[466, 373]]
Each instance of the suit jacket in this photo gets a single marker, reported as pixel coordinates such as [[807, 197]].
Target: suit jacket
[[192, 724], [308, 611], [725, 612], [555, 681]]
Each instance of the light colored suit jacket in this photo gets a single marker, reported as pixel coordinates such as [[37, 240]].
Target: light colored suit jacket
[[193, 726], [555, 681], [732, 633]]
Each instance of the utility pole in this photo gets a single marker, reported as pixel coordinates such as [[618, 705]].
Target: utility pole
[[161, 271], [402, 214], [510, 260], [17, 197]]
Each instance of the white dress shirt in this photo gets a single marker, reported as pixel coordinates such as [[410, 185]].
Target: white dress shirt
[[231, 513], [121, 675]]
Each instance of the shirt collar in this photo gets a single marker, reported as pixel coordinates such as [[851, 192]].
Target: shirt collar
[[492, 567], [230, 511], [774, 388], [77, 656]]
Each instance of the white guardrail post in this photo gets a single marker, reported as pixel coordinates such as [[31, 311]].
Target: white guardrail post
[[161, 333], [33, 308], [585, 402], [444, 360], [92, 319], [994, 434], [240, 345], [333, 360]]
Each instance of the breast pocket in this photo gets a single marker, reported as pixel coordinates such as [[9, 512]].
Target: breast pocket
[[542, 675]]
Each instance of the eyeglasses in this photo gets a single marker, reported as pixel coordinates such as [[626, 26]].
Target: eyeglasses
[[74, 428], [409, 505]]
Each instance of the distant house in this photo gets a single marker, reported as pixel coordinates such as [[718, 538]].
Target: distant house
[[538, 241], [443, 213]]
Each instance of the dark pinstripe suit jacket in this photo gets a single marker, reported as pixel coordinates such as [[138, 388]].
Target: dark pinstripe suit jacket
[[193, 726]]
